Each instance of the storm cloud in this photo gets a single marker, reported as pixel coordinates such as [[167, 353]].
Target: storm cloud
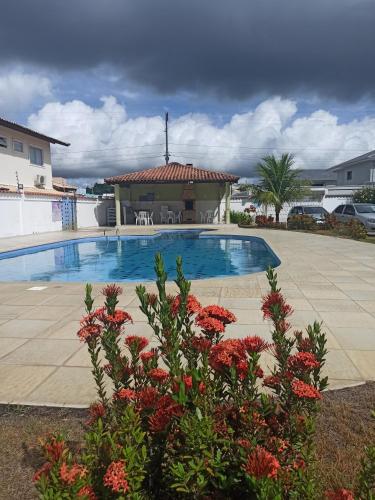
[[235, 49]]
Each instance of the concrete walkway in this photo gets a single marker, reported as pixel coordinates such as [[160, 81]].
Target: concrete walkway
[[326, 279]]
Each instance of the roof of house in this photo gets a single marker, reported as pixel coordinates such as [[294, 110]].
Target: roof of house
[[172, 173], [358, 159], [7, 188], [25, 130], [316, 174], [60, 183]]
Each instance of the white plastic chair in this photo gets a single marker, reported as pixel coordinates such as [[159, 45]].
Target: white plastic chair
[[171, 217], [137, 219], [150, 219], [143, 217], [164, 215], [203, 217], [179, 217], [209, 216]]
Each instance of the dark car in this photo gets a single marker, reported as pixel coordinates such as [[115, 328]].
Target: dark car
[[316, 212]]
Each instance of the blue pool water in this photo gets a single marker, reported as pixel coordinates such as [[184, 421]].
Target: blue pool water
[[131, 258]]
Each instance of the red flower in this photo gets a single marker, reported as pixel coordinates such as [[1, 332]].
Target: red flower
[[118, 318], [87, 492], [304, 361], [124, 395], [261, 463], [167, 408], [210, 325], [192, 305], [274, 305], [115, 477], [89, 332], [43, 471], [188, 383], [148, 397], [242, 368], [219, 313], [54, 449], [303, 390], [139, 343], [158, 374], [226, 354], [112, 291], [272, 381], [244, 443], [146, 356], [340, 494], [151, 298], [255, 344], [70, 475], [96, 410], [201, 344]]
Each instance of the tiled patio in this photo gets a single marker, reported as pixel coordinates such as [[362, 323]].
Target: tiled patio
[[325, 279]]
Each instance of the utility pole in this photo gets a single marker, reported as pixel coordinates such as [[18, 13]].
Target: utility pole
[[166, 156]]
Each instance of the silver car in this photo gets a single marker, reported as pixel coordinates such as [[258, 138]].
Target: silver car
[[362, 212]]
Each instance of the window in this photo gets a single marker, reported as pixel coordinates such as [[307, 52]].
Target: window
[[338, 210], [3, 142], [36, 156], [17, 146], [349, 210], [349, 175]]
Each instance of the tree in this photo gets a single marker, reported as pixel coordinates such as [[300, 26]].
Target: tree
[[365, 195], [279, 183]]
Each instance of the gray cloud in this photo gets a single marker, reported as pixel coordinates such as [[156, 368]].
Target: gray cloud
[[235, 49]]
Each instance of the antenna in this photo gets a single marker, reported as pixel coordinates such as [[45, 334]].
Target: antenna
[[166, 156]]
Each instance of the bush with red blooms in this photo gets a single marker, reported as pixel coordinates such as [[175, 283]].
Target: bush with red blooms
[[269, 222], [196, 416]]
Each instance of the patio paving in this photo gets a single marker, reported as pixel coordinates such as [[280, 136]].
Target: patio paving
[[325, 279]]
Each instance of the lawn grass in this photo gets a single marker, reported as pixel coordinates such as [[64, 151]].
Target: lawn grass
[[344, 427]]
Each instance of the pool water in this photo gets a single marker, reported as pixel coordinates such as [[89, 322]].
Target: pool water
[[131, 258]]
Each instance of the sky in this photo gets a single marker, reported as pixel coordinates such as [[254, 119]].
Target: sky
[[240, 80]]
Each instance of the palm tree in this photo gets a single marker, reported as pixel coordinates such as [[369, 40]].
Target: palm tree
[[279, 183]]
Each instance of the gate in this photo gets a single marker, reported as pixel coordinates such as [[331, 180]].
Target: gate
[[68, 214]]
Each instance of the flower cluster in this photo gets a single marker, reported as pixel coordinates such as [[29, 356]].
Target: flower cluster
[[115, 477]]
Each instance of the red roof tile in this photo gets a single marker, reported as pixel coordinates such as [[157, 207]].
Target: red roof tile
[[172, 173]]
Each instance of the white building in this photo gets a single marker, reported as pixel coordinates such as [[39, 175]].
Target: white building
[[25, 157]]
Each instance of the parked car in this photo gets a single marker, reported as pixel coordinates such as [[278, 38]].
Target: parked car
[[317, 213], [362, 212]]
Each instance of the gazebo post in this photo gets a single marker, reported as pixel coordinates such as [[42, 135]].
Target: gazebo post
[[118, 205], [227, 203]]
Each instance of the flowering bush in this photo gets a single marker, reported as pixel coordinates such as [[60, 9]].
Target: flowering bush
[[243, 218], [194, 416], [269, 222], [303, 222]]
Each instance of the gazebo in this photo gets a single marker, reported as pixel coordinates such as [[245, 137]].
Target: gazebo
[[185, 189]]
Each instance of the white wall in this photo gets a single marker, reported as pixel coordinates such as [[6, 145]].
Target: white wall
[[12, 161], [26, 215]]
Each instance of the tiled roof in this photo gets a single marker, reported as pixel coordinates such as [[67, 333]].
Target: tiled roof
[[172, 173], [6, 188], [358, 159], [25, 130], [60, 183]]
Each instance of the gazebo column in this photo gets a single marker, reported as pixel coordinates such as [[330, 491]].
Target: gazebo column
[[118, 205], [227, 203]]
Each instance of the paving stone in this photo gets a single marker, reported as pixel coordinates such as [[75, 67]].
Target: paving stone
[[42, 352], [365, 363], [25, 328], [67, 386], [8, 345], [47, 312], [18, 381], [348, 319], [355, 338]]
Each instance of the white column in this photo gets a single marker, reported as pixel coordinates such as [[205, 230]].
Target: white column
[[118, 205], [227, 203]]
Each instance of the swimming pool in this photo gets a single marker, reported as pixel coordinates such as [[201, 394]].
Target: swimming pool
[[131, 258]]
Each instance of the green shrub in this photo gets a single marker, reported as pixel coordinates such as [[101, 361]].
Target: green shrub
[[353, 229], [302, 222], [365, 195], [241, 218], [195, 416]]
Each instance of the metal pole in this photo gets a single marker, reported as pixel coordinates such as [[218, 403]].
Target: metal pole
[[166, 156]]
